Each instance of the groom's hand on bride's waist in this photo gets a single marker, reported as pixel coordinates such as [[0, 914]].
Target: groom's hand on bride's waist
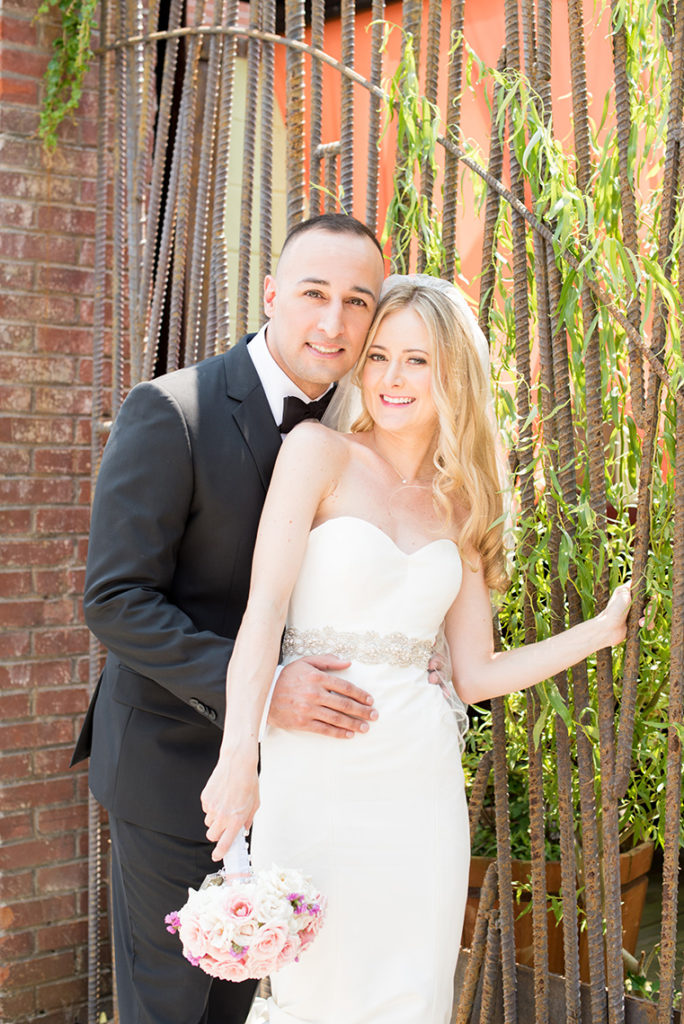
[[308, 696]]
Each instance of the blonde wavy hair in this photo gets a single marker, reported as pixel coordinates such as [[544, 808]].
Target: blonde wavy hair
[[466, 485]]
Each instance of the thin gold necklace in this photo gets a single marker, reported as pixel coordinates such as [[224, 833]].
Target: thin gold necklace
[[403, 479], [401, 476]]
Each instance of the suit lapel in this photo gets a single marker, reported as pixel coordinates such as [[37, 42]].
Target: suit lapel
[[252, 415]]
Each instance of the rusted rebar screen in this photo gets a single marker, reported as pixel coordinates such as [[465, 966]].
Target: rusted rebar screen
[[221, 125]]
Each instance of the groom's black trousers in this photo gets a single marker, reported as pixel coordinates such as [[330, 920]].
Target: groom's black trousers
[[151, 873]]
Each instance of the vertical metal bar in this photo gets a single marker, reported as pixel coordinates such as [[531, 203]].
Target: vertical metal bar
[[529, 41], [585, 755], [146, 142], [120, 276], [673, 822], [331, 152], [610, 846], [527, 502], [203, 193], [184, 152], [96, 417], [488, 893], [478, 790], [673, 176], [491, 971], [218, 328], [627, 201], [673, 799], [159, 163], [542, 79], [504, 864], [535, 783], [492, 206], [432, 61], [548, 294], [537, 853], [453, 124], [348, 12], [266, 180], [162, 270], [248, 162], [315, 136], [412, 11], [374, 117], [135, 164], [295, 91], [412, 17]]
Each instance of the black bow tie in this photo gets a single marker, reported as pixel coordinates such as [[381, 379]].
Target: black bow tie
[[295, 410]]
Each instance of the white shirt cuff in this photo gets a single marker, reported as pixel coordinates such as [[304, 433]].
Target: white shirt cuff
[[267, 705]]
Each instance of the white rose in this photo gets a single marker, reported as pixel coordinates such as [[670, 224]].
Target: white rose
[[272, 906]]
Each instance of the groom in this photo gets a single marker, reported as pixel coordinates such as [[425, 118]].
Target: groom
[[174, 521]]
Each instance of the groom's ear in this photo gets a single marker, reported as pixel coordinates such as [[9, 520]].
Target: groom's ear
[[269, 295]]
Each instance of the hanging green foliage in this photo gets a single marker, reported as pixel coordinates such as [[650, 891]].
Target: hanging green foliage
[[70, 61]]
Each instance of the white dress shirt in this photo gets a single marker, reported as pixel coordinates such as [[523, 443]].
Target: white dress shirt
[[275, 382]]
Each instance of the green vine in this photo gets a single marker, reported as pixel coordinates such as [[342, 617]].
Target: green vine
[[409, 221], [71, 57]]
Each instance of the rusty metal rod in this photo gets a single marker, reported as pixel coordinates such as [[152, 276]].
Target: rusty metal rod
[[268, 14], [466, 996], [316, 109], [373, 162], [248, 174], [294, 30], [348, 14]]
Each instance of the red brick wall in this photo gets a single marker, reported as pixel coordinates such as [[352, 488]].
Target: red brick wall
[[46, 312]]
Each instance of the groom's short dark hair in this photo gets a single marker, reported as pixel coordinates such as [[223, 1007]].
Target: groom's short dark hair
[[341, 223]]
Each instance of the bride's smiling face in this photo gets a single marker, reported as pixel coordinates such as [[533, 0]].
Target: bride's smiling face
[[397, 375]]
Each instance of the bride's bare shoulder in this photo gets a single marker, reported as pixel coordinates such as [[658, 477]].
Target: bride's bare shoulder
[[310, 439]]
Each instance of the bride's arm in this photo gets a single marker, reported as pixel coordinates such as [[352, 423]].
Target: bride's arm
[[479, 672], [305, 472]]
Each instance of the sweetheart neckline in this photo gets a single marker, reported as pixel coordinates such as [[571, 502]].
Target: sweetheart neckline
[[377, 529]]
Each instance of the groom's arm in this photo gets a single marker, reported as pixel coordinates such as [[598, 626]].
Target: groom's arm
[[139, 515], [311, 696]]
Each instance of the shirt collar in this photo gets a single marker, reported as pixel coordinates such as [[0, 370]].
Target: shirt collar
[[275, 382]]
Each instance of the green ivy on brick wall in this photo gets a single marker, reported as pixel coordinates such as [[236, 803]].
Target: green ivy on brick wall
[[71, 57]]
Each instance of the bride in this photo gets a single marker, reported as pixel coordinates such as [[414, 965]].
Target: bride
[[369, 541]]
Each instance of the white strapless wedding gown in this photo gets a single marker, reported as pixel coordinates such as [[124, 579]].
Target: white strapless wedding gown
[[379, 821]]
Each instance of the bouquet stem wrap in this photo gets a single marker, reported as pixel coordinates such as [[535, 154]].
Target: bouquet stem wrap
[[237, 861]]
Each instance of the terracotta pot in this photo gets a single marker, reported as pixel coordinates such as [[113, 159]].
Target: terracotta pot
[[634, 867]]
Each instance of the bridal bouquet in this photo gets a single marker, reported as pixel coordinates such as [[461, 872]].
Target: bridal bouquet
[[239, 925]]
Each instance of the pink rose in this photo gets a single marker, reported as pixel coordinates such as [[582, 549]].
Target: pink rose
[[289, 952], [267, 946], [239, 905], [231, 970], [308, 934], [191, 932], [227, 966]]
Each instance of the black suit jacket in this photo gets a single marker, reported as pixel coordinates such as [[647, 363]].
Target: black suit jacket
[[175, 515]]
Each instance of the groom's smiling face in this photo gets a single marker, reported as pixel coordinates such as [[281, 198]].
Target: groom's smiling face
[[320, 304]]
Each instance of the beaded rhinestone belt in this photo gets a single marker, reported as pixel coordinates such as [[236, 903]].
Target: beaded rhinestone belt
[[370, 648]]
